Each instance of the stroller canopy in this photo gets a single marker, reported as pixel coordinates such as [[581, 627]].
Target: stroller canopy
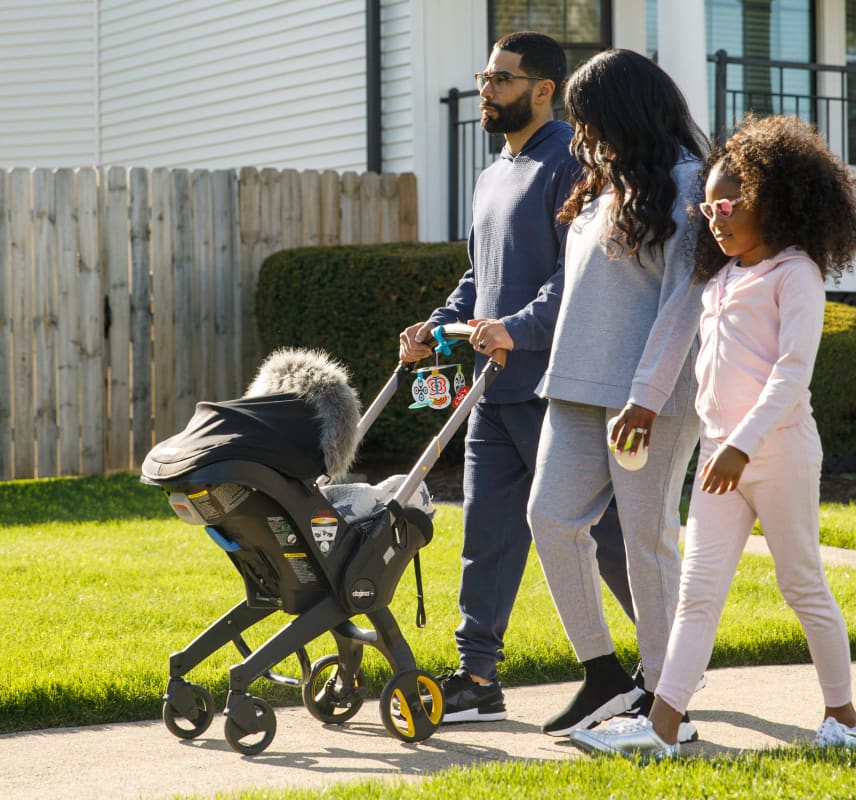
[[279, 430]]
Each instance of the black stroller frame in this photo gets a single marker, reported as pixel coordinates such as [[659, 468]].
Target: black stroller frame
[[324, 580]]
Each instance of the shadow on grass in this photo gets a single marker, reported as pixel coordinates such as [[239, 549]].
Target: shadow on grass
[[96, 498]]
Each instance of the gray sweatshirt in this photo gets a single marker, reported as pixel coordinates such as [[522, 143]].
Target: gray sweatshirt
[[625, 331]]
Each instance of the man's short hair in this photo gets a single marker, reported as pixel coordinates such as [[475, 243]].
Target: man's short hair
[[540, 55]]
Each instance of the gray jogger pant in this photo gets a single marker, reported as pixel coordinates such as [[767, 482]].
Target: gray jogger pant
[[575, 475], [499, 464]]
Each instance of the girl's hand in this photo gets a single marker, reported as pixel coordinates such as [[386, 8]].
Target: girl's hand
[[723, 470], [636, 419]]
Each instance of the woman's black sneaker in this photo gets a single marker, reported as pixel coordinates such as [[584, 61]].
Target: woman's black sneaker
[[591, 705], [607, 690], [468, 701]]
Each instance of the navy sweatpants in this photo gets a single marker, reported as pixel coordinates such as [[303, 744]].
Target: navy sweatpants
[[501, 443]]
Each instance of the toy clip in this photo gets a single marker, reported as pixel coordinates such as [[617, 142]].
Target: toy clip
[[444, 346]]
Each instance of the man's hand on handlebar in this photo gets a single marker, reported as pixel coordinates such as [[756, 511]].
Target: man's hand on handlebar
[[414, 342], [489, 335]]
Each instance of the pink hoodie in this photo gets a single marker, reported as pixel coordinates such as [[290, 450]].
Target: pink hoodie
[[759, 339]]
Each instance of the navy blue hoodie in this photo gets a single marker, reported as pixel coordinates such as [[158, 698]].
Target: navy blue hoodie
[[516, 250]]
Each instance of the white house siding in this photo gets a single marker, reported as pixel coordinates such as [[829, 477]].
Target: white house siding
[[47, 83], [397, 87], [219, 83], [450, 44]]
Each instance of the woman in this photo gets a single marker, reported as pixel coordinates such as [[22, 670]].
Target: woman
[[623, 348]]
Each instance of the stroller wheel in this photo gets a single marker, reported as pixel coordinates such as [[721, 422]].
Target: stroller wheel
[[188, 712], [329, 696], [250, 742], [412, 705]]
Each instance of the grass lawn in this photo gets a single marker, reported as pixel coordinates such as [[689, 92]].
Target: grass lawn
[[102, 582], [797, 772]]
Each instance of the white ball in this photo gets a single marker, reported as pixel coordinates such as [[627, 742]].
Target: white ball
[[623, 457]]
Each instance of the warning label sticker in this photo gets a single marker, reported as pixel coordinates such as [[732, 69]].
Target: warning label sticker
[[324, 531]]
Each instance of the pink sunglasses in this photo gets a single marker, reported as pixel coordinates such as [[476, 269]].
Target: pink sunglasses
[[724, 206]]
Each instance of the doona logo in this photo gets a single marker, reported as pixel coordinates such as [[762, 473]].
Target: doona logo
[[362, 593]]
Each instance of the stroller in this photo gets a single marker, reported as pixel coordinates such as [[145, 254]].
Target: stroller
[[256, 473]]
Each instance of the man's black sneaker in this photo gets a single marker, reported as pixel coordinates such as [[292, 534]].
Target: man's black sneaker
[[468, 701], [642, 708], [590, 706]]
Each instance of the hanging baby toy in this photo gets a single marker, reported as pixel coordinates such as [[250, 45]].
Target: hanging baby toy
[[432, 389]]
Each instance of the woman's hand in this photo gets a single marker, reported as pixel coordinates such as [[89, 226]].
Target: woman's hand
[[722, 471], [635, 419]]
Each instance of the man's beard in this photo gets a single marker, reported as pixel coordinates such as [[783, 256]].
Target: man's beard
[[509, 118]]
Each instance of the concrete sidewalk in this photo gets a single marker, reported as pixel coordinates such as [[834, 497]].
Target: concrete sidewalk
[[740, 709]]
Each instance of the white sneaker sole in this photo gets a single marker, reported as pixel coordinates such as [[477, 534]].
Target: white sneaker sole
[[473, 715], [617, 705]]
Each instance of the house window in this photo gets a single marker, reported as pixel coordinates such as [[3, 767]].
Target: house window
[[773, 30], [582, 27]]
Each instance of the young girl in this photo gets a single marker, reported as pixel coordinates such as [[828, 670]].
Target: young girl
[[782, 211]]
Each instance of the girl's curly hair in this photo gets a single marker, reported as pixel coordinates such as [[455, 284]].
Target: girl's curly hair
[[805, 196], [642, 122]]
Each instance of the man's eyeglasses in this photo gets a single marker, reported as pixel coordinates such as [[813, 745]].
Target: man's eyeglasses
[[723, 206], [500, 80]]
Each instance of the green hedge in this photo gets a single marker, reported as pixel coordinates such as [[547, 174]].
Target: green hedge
[[833, 388], [352, 301]]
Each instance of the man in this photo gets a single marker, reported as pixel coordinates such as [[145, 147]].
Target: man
[[511, 295]]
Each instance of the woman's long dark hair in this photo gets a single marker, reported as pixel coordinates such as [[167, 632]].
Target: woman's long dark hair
[[641, 122]]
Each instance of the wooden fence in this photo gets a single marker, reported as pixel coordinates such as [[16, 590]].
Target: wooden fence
[[128, 295]]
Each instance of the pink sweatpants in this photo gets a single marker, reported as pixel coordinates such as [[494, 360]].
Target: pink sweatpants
[[780, 486]]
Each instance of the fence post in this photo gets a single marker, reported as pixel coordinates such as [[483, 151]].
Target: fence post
[[454, 158], [292, 209], [349, 203], [118, 292], [5, 335], [249, 219], [408, 208], [45, 321], [369, 205], [719, 97], [310, 193], [23, 291], [141, 317], [163, 303], [93, 403], [202, 286], [329, 207], [388, 208], [226, 272], [68, 327]]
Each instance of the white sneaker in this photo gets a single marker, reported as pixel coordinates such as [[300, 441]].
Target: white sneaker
[[629, 739], [833, 733]]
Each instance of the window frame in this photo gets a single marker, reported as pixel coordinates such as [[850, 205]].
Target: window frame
[[584, 48]]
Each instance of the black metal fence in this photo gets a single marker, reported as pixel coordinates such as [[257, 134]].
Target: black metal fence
[[470, 151], [823, 94]]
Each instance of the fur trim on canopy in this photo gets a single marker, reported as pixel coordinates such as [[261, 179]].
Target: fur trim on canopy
[[323, 383]]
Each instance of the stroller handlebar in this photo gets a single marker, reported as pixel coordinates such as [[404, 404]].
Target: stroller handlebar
[[461, 332]]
